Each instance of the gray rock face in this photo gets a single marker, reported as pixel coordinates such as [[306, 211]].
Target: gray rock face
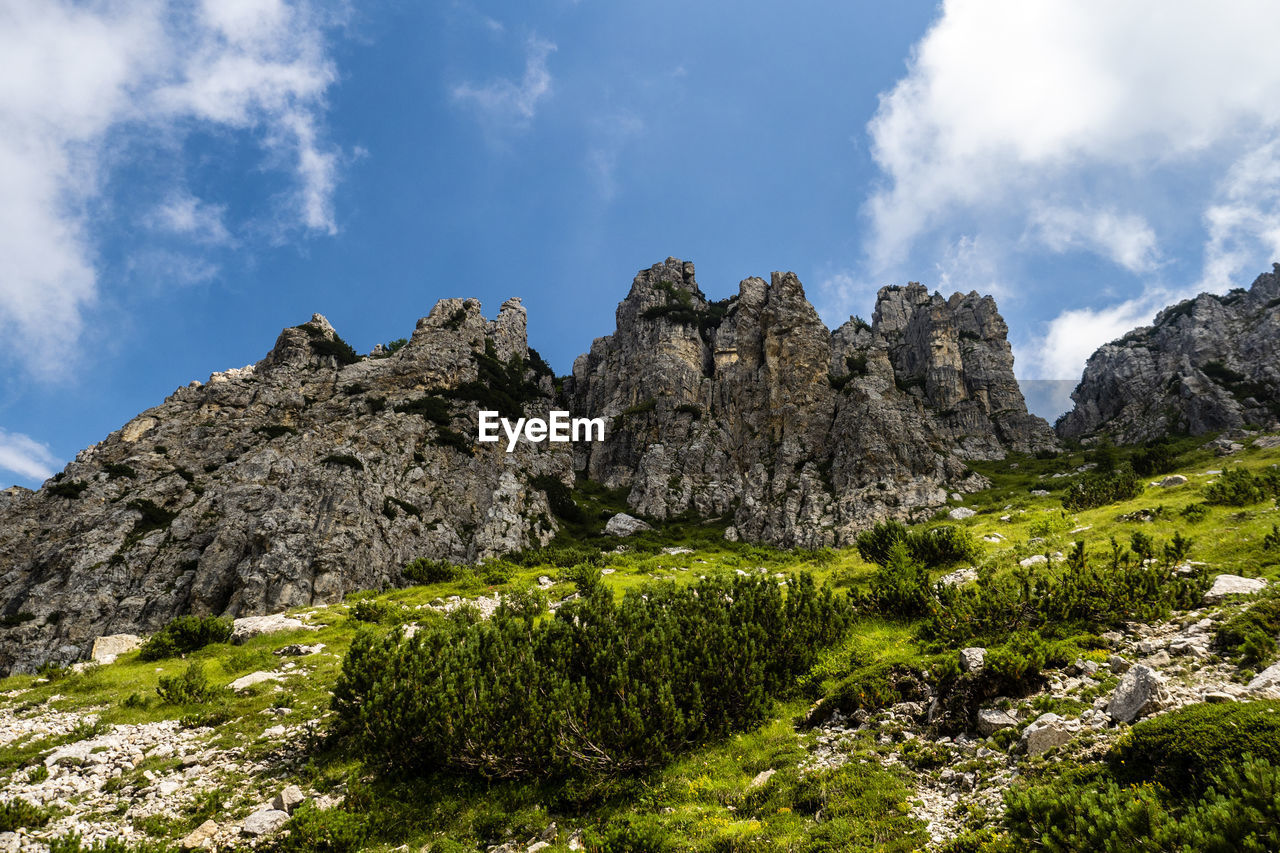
[[750, 409], [1207, 364], [625, 525], [282, 484], [1048, 731], [992, 720], [1139, 693], [972, 659]]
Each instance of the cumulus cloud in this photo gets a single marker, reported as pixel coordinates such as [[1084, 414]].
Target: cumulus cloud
[[80, 77], [1126, 239], [1092, 127], [26, 457], [512, 103]]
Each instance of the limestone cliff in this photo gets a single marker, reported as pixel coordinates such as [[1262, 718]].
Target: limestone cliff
[[751, 409], [1206, 364], [289, 482]]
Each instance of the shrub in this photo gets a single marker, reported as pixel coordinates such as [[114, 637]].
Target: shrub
[[185, 634], [1234, 487], [37, 774], [153, 518], [1271, 542], [330, 347], [426, 571], [1101, 488], [602, 688], [73, 843], [190, 688], [1251, 634], [116, 470], [19, 814], [1194, 512], [935, 547], [559, 497], [1086, 810], [343, 459], [432, 408], [70, 489], [1155, 458], [313, 830], [1182, 749], [901, 586]]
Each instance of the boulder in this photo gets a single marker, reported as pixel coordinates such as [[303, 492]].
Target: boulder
[[992, 720], [107, 649], [959, 577], [625, 525], [972, 659], [201, 836], [289, 799], [1266, 683], [960, 513], [297, 650], [1225, 585], [265, 822], [1048, 730], [1033, 560], [244, 682], [248, 627], [1139, 693], [1173, 480]]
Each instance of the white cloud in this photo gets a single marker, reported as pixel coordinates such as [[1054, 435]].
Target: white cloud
[[512, 103], [1006, 102], [609, 136], [970, 264], [1127, 239], [1072, 336], [183, 214], [79, 77], [26, 457], [1243, 223]]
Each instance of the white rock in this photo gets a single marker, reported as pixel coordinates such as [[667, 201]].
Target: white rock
[[625, 525], [959, 577], [1033, 560], [992, 720], [266, 822], [1224, 585], [244, 682], [1139, 693], [1048, 730], [107, 649], [1039, 493], [972, 659], [200, 836], [761, 779], [253, 626], [1267, 682], [960, 513], [289, 799]]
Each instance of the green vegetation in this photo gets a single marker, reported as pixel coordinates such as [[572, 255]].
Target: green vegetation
[[119, 470], [184, 635], [190, 688], [936, 546], [329, 347], [70, 489], [19, 814], [680, 308], [1101, 488], [604, 688]]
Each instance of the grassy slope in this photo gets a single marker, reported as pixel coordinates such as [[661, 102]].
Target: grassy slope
[[706, 798]]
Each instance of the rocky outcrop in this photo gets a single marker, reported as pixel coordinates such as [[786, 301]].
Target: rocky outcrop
[[1207, 364], [286, 483], [750, 409], [316, 471]]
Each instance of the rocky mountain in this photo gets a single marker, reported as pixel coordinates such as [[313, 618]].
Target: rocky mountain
[[750, 408], [295, 480], [316, 471], [1206, 364]]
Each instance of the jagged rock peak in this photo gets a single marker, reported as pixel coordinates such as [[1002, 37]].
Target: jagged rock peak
[[1206, 364]]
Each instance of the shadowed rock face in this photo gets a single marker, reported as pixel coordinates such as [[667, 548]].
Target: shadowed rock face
[[296, 480], [290, 482], [1207, 364], [751, 409]]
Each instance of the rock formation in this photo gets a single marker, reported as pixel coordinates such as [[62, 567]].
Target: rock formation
[[1207, 364], [316, 472], [286, 483], [750, 409]]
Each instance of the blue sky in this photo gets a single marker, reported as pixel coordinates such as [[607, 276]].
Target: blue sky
[[180, 180]]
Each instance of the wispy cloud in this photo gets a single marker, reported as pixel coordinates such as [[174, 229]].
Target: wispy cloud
[[26, 457], [609, 137], [508, 103], [1125, 238], [79, 77]]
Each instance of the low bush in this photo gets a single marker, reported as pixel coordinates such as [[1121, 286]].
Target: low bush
[[935, 547], [603, 688], [1181, 750], [1100, 488], [1242, 487], [185, 634], [313, 830], [20, 814], [426, 571], [192, 687]]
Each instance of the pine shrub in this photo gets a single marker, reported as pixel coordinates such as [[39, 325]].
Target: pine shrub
[[185, 634], [604, 688], [1100, 488], [20, 814], [192, 687]]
